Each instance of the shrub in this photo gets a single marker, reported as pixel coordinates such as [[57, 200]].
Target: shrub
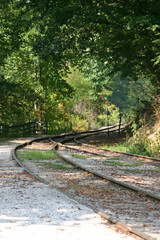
[[78, 124]]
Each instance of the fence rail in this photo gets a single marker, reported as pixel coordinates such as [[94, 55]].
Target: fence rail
[[24, 130]]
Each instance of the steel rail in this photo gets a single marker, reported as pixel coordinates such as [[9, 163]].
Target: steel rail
[[15, 157], [50, 138], [120, 225], [61, 143], [89, 132], [126, 185], [147, 193], [114, 151]]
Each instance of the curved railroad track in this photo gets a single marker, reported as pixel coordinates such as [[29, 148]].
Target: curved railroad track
[[141, 168], [95, 177]]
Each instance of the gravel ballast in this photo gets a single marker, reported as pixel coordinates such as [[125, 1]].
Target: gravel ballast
[[31, 210]]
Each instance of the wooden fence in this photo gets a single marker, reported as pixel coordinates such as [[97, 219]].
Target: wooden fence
[[23, 130]]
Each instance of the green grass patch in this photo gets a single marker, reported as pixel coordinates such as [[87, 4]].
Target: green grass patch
[[36, 155], [128, 147], [121, 147], [56, 166], [115, 163], [79, 156], [114, 158], [133, 170], [157, 170]]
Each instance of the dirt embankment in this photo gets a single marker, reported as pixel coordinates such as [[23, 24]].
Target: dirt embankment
[[151, 127]]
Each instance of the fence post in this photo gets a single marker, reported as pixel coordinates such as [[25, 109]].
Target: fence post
[[108, 113], [120, 120]]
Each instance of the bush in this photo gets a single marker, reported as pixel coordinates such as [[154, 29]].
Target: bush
[[78, 124]]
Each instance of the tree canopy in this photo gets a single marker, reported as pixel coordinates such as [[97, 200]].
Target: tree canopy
[[124, 33], [40, 39]]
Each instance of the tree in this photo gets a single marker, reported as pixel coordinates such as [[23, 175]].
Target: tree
[[30, 83], [124, 33], [130, 96]]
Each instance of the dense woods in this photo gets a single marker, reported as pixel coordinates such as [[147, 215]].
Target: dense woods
[[74, 63]]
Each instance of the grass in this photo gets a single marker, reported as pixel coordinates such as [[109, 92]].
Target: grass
[[157, 170], [41, 155], [56, 166], [36, 155], [114, 158], [138, 144], [115, 163], [79, 156], [127, 147], [120, 147]]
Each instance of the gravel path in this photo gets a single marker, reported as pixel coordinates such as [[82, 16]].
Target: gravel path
[[30, 209]]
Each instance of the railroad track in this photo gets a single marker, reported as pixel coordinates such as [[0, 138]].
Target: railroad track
[[140, 173], [85, 177]]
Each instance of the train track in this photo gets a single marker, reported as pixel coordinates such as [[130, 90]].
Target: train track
[[85, 177], [137, 172]]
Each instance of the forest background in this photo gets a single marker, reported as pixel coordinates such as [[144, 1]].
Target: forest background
[[79, 64]]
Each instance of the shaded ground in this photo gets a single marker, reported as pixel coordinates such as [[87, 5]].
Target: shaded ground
[[102, 139]]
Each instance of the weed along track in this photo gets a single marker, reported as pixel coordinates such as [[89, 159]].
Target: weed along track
[[87, 178]]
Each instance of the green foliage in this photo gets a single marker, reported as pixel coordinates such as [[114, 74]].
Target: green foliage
[[80, 85], [57, 166], [78, 124], [138, 144], [91, 91], [79, 156], [29, 92], [108, 41], [80, 101], [97, 73], [130, 96], [126, 34], [110, 115], [59, 126], [31, 84]]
